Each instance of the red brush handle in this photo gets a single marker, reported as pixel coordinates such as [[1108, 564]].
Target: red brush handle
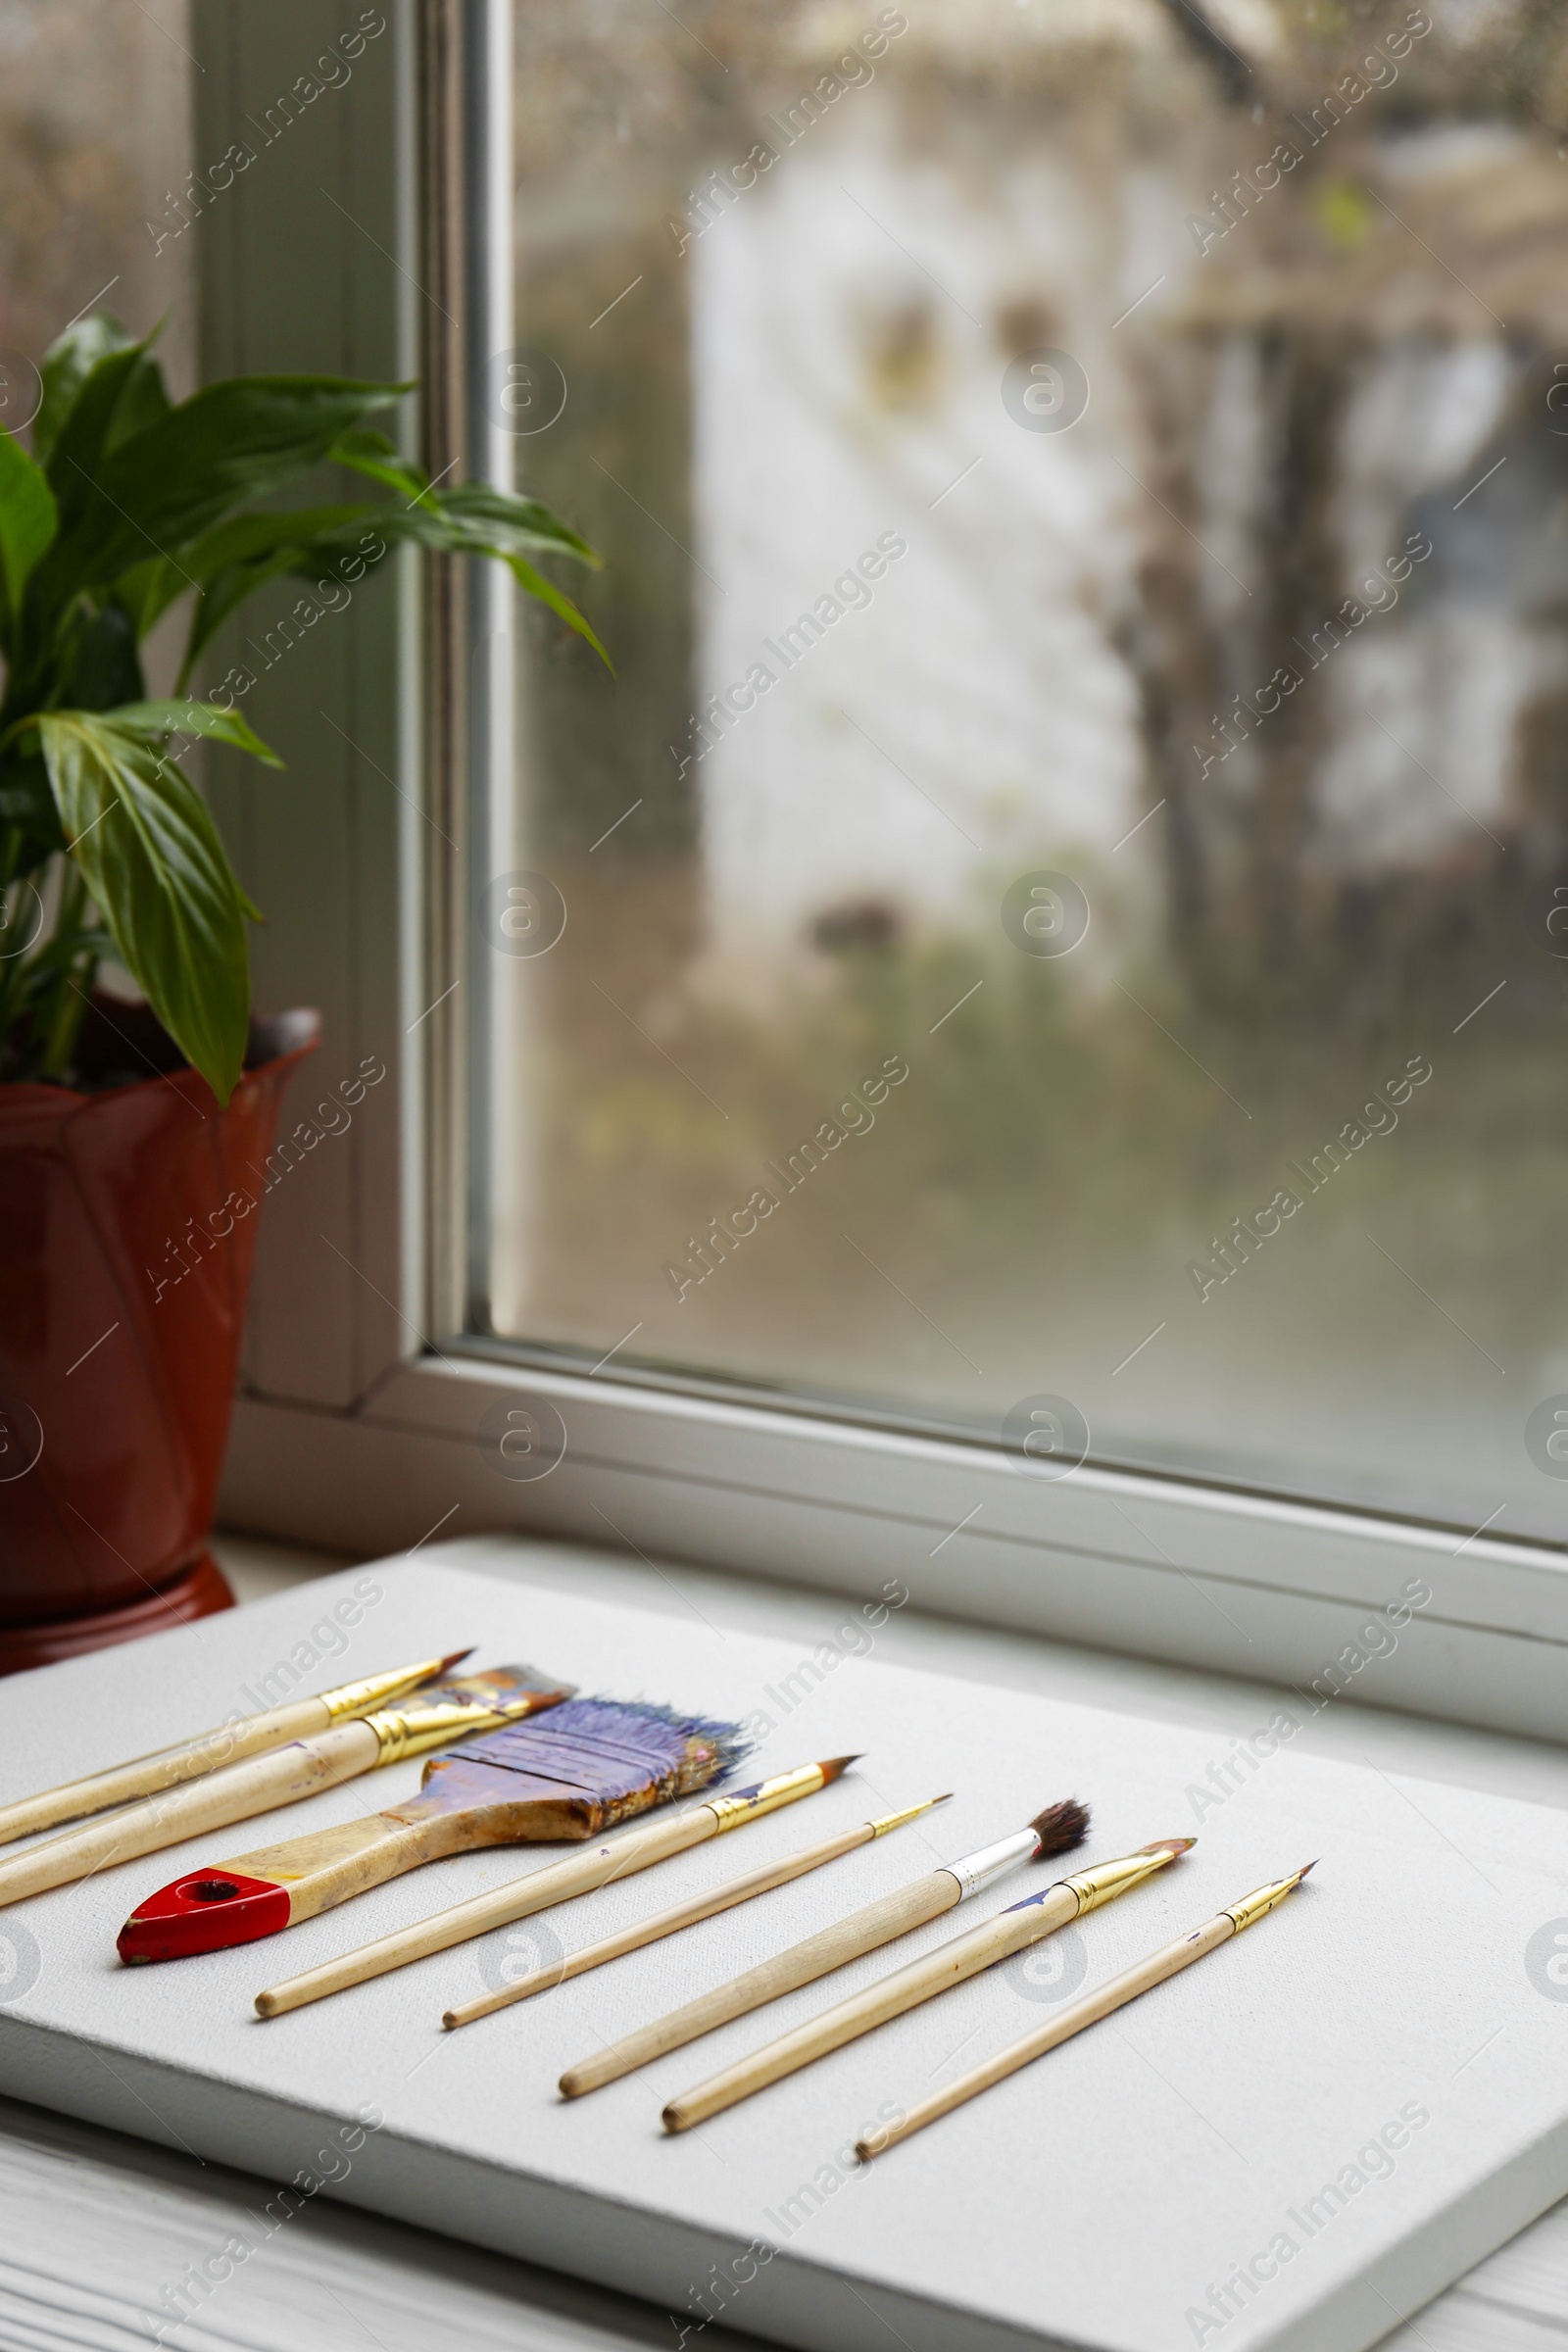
[[206, 1912], [255, 1895]]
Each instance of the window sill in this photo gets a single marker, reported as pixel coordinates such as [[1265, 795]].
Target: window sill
[[1192, 1577]]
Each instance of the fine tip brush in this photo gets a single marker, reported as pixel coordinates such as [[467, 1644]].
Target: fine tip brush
[[557, 1882], [590, 1763], [687, 1915], [996, 1938], [208, 1752], [1056, 1830], [1105, 1998], [432, 1717]]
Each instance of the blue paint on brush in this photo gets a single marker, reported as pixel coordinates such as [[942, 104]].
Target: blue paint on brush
[[613, 1753]]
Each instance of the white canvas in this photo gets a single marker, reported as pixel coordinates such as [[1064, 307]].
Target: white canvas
[[1095, 2200]]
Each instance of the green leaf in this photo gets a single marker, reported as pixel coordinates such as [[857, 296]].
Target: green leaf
[[534, 583], [242, 556], [26, 803], [474, 514], [374, 455], [248, 536], [68, 363], [239, 556], [477, 520], [143, 403], [150, 855], [153, 722], [78, 448], [225, 445], [225, 594], [526, 521], [246, 542], [495, 521], [104, 668], [27, 519]]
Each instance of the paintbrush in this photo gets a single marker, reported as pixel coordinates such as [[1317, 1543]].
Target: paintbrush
[[1114, 1994], [432, 1718], [1056, 1830], [231, 1744], [593, 1763], [688, 1913], [557, 1882], [952, 1963]]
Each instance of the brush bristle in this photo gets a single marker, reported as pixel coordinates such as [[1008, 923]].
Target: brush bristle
[[624, 1754], [704, 1751], [834, 1767], [1168, 1846], [1305, 1867], [1060, 1828], [456, 1659], [713, 1751]]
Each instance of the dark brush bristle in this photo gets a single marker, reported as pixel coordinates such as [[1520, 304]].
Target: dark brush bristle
[[834, 1766], [1060, 1828]]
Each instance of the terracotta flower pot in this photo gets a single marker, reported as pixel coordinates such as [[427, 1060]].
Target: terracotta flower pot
[[127, 1227]]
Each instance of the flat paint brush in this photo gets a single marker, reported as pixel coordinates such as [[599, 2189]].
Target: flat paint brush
[[688, 1913], [557, 1882], [230, 1743], [952, 1963], [1056, 1830], [432, 1718], [1114, 1994], [591, 1763]]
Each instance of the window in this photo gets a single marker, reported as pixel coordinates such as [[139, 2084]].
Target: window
[[1059, 900], [1210, 387]]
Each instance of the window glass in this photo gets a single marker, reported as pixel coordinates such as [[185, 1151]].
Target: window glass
[[94, 180], [1065, 897]]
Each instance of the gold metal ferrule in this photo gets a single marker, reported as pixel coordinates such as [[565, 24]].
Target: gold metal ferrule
[[895, 1821], [749, 1804], [362, 1698], [413, 1731], [1263, 1899], [1106, 1880]]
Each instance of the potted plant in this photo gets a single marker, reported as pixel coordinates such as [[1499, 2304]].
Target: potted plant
[[130, 1134]]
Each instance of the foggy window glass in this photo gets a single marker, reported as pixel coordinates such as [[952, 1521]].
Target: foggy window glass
[[95, 186], [1066, 898]]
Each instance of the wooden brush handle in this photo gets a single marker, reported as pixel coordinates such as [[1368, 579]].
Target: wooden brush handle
[[863, 1932], [1113, 1994], [665, 1923], [209, 1753], [238, 1793], [330, 1867], [557, 1882], [906, 1989]]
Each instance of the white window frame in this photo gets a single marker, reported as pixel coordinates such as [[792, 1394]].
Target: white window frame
[[358, 1421]]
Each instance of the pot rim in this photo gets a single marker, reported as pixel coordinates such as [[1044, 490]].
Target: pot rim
[[281, 1038]]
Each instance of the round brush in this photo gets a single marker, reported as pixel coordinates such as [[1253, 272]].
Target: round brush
[[1011, 1931], [1056, 1830]]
